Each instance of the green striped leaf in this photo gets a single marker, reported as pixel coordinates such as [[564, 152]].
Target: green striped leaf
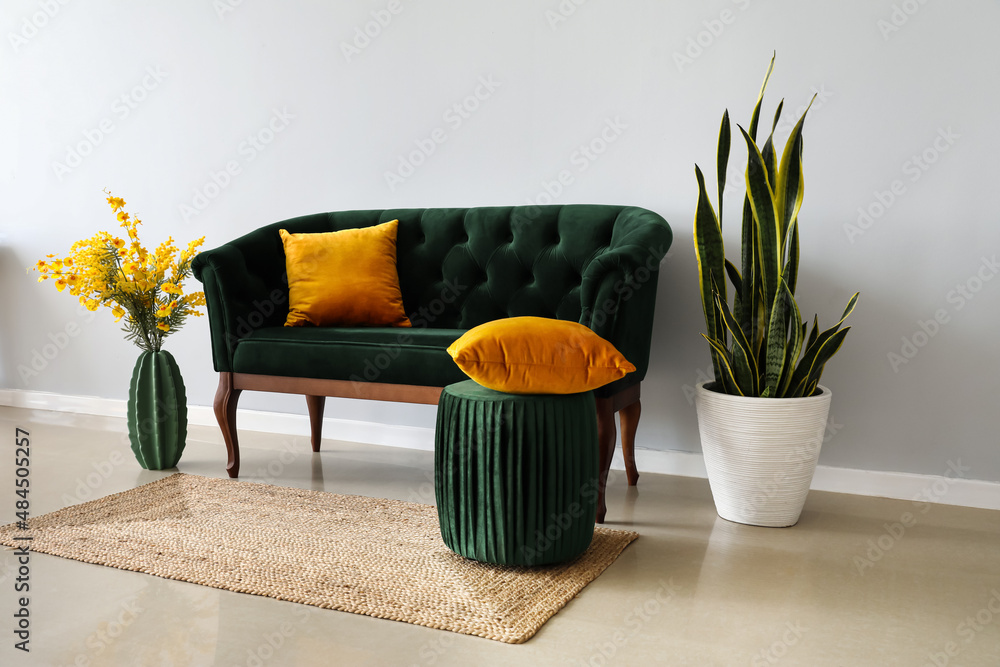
[[723, 158], [734, 276], [789, 187], [725, 366], [777, 338], [766, 220], [760, 98], [791, 272], [744, 362], [794, 348], [760, 323], [815, 332], [745, 313], [850, 307], [805, 385], [710, 253], [761, 346], [815, 349], [770, 160]]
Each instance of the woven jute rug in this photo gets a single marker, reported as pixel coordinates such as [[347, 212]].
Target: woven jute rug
[[382, 558]]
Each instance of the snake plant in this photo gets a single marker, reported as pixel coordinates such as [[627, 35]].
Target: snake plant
[[760, 346]]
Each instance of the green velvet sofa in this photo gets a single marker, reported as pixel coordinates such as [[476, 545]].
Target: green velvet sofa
[[458, 267]]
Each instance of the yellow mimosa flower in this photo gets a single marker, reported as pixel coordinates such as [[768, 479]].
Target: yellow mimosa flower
[[118, 272]]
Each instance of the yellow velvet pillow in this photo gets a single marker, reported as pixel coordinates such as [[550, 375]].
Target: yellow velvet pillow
[[345, 278], [537, 355]]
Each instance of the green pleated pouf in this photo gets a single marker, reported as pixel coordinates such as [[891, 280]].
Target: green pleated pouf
[[515, 476]]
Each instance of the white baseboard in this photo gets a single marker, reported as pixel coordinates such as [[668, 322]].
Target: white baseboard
[[876, 483], [409, 437], [898, 485]]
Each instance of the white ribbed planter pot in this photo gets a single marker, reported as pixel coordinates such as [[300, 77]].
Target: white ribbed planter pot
[[761, 453]]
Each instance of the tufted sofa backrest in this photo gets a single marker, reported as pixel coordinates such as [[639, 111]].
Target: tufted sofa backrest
[[461, 267], [458, 268]]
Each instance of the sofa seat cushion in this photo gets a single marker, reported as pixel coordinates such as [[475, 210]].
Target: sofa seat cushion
[[416, 356]]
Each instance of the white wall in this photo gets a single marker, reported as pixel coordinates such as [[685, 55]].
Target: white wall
[[885, 96]]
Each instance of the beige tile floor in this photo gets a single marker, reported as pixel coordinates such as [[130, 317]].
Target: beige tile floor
[[845, 586]]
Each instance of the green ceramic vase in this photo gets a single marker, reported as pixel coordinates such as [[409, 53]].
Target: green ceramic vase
[[157, 411]]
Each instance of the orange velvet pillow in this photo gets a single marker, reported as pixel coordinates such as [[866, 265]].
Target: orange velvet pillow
[[345, 278], [537, 355]]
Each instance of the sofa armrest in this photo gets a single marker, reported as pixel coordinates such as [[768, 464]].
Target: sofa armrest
[[618, 292], [238, 299]]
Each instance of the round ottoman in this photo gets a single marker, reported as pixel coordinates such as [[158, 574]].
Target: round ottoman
[[515, 476]]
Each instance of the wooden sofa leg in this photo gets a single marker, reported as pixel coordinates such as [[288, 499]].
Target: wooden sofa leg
[[606, 446], [226, 398], [315, 405], [629, 416]]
